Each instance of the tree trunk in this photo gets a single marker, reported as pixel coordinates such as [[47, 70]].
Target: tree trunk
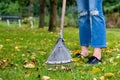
[[42, 13], [53, 16]]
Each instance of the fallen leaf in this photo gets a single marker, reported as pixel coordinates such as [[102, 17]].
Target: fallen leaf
[[114, 64], [76, 52], [63, 68], [118, 56], [94, 79], [118, 73], [76, 59], [96, 70], [52, 69], [82, 72], [29, 65], [3, 63], [46, 78], [17, 48], [102, 78], [27, 74], [104, 62], [108, 75], [23, 55], [1, 79], [79, 63], [112, 59], [1, 46]]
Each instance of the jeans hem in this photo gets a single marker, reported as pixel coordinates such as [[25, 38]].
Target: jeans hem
[[84, 44], [98, 46], [95, 46]]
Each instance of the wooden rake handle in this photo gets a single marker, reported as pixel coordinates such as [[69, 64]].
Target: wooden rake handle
[[62, 18]]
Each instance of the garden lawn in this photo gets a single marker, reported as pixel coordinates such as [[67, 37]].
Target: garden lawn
[[23, 52]]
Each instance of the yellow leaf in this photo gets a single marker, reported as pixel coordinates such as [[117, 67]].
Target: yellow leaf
[[118, 56], [33, 57], [52, 69], [104, 62], [77, 64], [112, 59], [76, 52], [114, 64], [102, 78], [76, 59], [1, 46], [96, 70], [23, 55], [108, 75], [17, 48], [82, 72], [118, 73], [27, 75], [42, 53]]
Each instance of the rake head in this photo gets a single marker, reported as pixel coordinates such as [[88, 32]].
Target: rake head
[[60, 54]]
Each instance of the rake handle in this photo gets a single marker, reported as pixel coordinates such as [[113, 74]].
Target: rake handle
[[62, 18]]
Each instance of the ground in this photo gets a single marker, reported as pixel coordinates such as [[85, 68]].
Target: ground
[[23, 52]]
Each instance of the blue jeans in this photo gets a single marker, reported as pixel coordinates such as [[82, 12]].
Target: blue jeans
[[92, 28]]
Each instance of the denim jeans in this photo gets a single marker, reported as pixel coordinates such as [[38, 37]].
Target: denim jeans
[[92, 28]]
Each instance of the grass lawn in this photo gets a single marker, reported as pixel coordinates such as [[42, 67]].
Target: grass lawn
[[23, 52]]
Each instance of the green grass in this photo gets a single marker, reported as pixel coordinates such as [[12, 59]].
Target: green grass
[[23, 45]]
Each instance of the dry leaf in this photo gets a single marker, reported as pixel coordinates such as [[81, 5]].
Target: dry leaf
[[1, 46], [79, 63], [27, 75], [118, 73], [17, 48], [108, 75], [102, 78], [114, 64], [46, 78], [104, 62], [29, 65], [1, 79], [76, 59], [66, 68], [82, 72], [94, 79], [96, 70], [3, 63], [63, 68], [23, 55], [118, 56], [112, 59], [76, 52], [32, 57], [51, 69]]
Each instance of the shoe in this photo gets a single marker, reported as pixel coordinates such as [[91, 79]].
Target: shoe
[[93, 60], [80, 56]]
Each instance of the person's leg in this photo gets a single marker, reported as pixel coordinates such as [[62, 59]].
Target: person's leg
[[98, 28], [84, 26], [97, 53], [84, 51]]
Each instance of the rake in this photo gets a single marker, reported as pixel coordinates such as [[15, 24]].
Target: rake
[[60, 53]]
